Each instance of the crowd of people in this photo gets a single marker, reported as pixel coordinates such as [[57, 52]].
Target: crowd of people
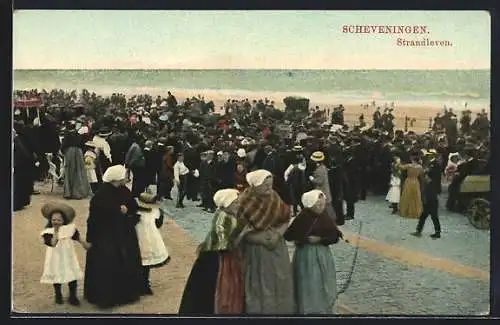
[[255, 167]]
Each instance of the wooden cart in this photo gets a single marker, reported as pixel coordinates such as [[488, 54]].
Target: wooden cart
[[475, 195]]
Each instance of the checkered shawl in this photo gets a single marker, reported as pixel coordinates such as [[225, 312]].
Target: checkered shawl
[[261, 211]]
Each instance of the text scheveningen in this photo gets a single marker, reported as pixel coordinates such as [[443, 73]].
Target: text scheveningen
[[385, 29]]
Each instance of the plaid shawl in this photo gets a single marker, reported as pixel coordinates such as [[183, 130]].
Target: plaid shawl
[[261, 211]]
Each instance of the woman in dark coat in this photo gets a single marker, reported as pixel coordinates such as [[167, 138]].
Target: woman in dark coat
[[113, 273], [23, 179]]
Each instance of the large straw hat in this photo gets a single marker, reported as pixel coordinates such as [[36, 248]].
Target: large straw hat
[[318, 156], [147, 198], [50, 207]]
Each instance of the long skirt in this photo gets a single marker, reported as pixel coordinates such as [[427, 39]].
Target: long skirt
[[410, 204], [113, 271], [22, 189], [268, 279], [76, 183], [215, 285], [315, 279]]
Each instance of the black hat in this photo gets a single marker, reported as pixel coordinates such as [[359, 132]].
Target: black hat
[[105, 132]]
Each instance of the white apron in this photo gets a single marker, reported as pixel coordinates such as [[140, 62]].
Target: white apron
[[395, 190], [153, 249], [61, 264]]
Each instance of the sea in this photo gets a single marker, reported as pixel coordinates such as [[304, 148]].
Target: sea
[[414, 88]]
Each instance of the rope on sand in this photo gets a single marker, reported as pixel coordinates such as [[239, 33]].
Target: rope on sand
[[347, 283]]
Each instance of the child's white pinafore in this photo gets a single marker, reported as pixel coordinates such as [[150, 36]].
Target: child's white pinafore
[[61, 264], [394, 193], [153, 249]]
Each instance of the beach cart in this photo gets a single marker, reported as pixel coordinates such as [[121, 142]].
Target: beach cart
[[475, 193], [297, 104], [25, 108]]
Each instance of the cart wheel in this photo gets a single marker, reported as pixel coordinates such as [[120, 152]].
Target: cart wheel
[[479, 213]]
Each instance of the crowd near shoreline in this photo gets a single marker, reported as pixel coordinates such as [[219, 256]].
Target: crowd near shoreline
[[253, 165]]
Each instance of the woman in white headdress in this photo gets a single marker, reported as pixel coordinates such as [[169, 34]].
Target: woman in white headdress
[[215, 285], [263, 219], [314, 268], [113, 271]]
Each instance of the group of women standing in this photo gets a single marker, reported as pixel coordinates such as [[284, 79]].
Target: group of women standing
[[243, 265]]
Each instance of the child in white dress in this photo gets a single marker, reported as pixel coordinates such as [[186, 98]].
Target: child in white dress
[[61, 264], [154, 253], [394, 193], [90, 167]]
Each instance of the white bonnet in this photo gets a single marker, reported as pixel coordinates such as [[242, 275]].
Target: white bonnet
[[310, 198], [224, 198], [114, 173], [257, 177], [241, 153]]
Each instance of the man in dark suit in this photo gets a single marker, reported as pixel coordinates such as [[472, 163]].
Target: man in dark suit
[[432, 184], [208, 182]]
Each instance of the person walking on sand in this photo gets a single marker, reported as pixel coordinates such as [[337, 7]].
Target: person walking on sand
[[432, 184], [180, 178], [410, 204], [113, 271], [61, 263], [394, 193]]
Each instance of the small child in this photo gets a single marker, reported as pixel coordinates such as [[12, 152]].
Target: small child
[[61, 263], [89, 158], [154, 253], [394, 193]]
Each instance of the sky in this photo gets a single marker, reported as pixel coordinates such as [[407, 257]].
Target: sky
[[244, 40]]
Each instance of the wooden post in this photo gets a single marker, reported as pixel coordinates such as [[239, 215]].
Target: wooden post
[[406, 123], [430, 123]]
